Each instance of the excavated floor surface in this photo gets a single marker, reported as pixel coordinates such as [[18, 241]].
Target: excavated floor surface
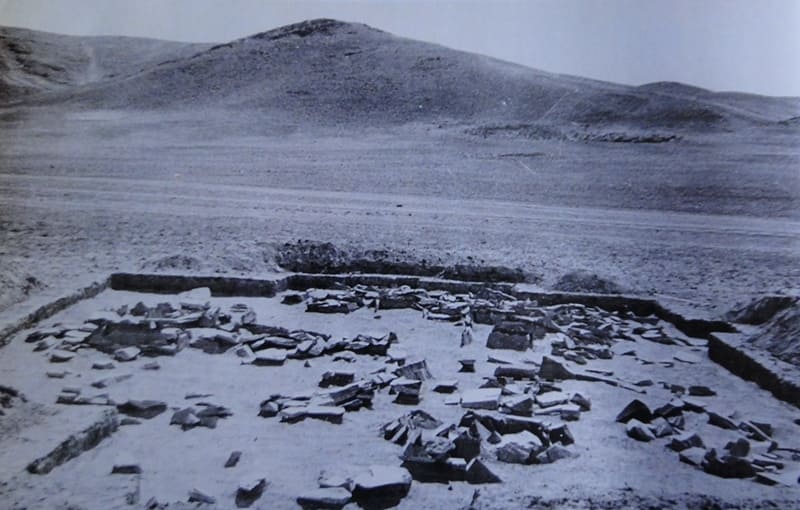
[[290, 456]]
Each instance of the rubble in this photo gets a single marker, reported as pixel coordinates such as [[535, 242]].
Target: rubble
[[517, 416], [477, 473], [381, 486], [639, 431], [249, 491], [127, 353], [637, 410], [146, 409], [513, 335], [196, 496], [233, 459], [553, 370], [486, 398], [332, 498], [61, 356]]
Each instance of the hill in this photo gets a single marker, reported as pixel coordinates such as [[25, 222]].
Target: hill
[[32, 62], [328, 71]]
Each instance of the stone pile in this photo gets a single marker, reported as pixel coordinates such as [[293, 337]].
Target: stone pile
[[329, 405], [376, 487], [754, 454], [200, 415], [437, 452]]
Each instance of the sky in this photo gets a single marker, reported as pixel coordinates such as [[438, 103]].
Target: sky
[[744, 45]]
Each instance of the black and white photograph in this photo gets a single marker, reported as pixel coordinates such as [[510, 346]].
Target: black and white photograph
[[414, 254]]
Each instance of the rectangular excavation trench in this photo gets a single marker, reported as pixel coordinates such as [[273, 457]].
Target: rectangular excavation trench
[[418, 342]]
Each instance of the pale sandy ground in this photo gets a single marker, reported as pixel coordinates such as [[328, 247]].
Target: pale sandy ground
[[291, 456], [708, 221]]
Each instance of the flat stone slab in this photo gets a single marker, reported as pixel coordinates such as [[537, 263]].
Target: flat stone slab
[[324, 498], [482, 398]]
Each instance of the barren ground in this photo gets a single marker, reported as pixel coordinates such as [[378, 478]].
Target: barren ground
[[706, 221]]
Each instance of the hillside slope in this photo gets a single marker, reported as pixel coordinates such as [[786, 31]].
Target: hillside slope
[[328, 71], [32, 62]]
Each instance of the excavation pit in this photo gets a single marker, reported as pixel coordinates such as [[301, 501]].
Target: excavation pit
[[321, 373]]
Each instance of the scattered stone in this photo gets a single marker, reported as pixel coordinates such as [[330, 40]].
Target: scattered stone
[[146, 409], [477, 473], [196, 496], [103, 365], [639, 431], [673, 408], [500, 359], [332, 498], [689, 358], [186, 418], [515, 372], [233, 459], [738, 448], [61, 356], [560, 434], [139, 309], [331, 414], [582, 401], [270, 357], [701, 391], [191, 396], [520, 405], [127, 354], [467, 365], [511, 335], [694, 405], [553, 370], [46, 343], [381, 486], [554, 453], [110, 381], [337, 378], [485, 398], [519, 448], [693, 456], [447, 386], [126, 467], [644, 383], [56, 375], [661, 427], [417, 370], [331, 306], [728, 466], [292, 298], [757, 431], [720, 421], [686, 441], [551, 398], [151, 365], [636, 410], [249, 491]]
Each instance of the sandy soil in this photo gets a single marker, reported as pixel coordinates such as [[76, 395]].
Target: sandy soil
[[85, 194], [611, 467]]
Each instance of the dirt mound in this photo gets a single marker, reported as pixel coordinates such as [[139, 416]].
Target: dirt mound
[[780, 335], [314, 257], [586, 281], [760, 310]]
